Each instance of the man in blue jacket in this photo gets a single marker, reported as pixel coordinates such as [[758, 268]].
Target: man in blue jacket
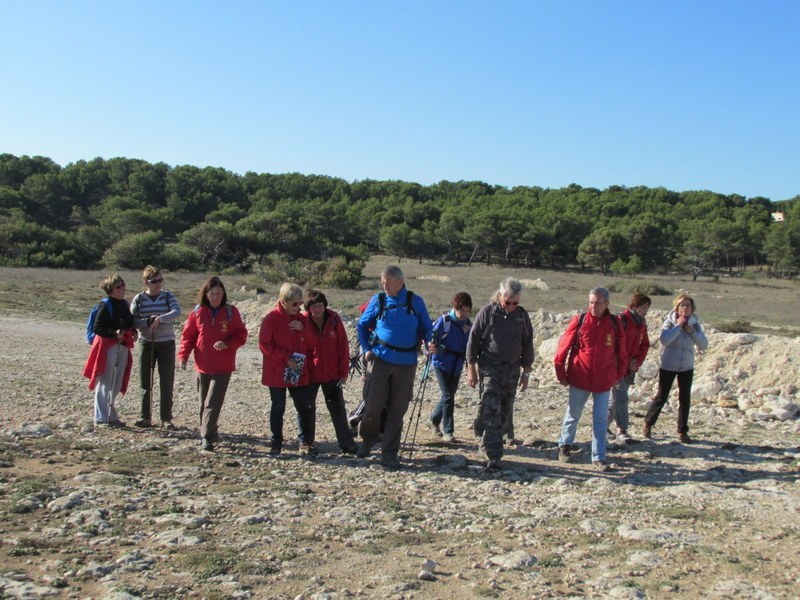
[[389, 331]]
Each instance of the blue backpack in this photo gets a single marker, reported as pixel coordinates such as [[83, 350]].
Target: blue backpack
[[90, 334]]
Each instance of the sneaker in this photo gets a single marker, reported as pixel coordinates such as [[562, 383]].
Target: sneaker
[[601, 465], [102, 424], [435, 428], [647, 431], [168, 425], [308, 450], [363, 451], [448, 437], [492, 464], [685, 439], [117, 423], [563, 454], [143, 423]]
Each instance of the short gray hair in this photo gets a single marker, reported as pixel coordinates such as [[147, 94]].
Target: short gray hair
[[509, 287], [393, 271], [601, 291]]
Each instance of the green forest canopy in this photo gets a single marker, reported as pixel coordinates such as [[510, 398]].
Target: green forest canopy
[[127, 212]]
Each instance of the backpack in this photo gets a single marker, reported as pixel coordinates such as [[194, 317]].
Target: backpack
[[90, 334], [228, 308], [582, 318], [490, 324], [382, 304]]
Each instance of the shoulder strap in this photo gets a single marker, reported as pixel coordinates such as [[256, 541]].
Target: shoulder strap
[[409, 297], [381, 305], [490, 323], [228, 310]]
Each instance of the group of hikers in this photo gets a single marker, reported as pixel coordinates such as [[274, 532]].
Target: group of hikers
[[305, 347]]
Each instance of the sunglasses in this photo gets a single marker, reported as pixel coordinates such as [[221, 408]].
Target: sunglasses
[[509, 303], [159, 280]]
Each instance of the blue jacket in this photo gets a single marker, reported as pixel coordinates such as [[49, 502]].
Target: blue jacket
[[452, 345], [677, 346], [399, 328]]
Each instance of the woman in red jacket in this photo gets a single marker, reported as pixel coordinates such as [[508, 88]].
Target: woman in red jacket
[[285, 343], [637, 343], [330, 361], [214, 331]]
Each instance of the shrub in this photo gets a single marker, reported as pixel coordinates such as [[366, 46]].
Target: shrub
[[737, 326], [179, 256], [135, 250], [637, 286]]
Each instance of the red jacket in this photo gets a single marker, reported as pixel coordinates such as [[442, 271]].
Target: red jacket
[[277, 343], [96, 362], [202, 331], [636, 338], [331, 353], [599, 360]]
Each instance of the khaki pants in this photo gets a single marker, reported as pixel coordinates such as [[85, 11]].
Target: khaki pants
[[391, 386]]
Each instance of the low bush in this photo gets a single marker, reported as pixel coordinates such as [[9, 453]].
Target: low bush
[[638, 286]]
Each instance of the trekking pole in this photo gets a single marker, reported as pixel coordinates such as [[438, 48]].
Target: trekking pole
[[152, 371], [418, 407], [114, 379]]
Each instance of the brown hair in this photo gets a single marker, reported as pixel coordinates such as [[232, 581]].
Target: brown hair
[[109, 283], [211, 282], [314, 296], [638, 300], [462, 300]]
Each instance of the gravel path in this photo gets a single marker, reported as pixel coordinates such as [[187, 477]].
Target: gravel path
[[130, 513]]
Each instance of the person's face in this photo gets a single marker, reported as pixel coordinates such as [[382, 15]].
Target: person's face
[[292, 306], [642, 310], [118, 291], [597, 305], [463, 312], [685, 308], [391, 285], [214, 296], [154, 284], [316, 310], [509, 303]]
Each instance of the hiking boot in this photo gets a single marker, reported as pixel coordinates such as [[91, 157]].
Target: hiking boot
[[102, 424], [684, 437], [208, 445], [647, 431], [351, 450], [563, 454], [168, 425], [601, 465], [512, 441], [144, 423], [448, 437], [493, 464], [390, 462], [363, 451], [308, 450], [275, 450], [117, 423]]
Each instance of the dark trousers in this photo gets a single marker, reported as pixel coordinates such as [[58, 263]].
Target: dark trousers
[[334, 401], [306, 414], [211, 389], [665, 381], [163, 355], [443, 413]]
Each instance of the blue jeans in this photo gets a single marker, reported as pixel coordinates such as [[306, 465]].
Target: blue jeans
[[443, 413], [618, 407], [577, 400], [306, 413]]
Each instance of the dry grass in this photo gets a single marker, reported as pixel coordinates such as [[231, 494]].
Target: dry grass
[[765, 305]]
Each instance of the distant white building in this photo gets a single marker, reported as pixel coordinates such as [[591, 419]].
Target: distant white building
[[777, 216]]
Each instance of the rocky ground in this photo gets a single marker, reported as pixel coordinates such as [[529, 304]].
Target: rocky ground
[[124, 513]]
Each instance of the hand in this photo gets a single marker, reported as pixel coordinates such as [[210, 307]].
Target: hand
[[472, 376], [688, 329], [369, 356], [433, 348], [220, 346], [633, 366], [296, 325], [153, 325], [563, 382], [524, 379], [183, 365]]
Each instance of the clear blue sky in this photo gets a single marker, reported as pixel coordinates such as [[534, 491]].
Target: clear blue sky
[[686, 95]]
